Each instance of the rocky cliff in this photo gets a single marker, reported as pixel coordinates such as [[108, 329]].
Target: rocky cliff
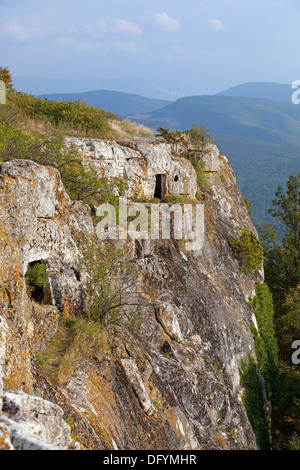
[[173, 383]]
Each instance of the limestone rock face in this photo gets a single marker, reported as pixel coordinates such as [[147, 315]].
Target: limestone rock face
[[174, 382], [31, 423], [140, 163], [38, 222]]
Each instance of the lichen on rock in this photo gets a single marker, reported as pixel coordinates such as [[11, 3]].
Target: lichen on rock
[[173, 383]]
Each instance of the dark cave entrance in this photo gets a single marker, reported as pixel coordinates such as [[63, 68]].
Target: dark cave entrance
[[160, 186], [37, 282]]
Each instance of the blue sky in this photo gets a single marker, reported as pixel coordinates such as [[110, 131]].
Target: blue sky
[[182, 47]]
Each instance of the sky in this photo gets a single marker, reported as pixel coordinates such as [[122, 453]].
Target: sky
[[167, 48]]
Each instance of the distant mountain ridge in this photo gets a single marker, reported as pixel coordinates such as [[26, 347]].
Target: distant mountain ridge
[[134, 85], [264, 90], [117, 102], [249, 117]]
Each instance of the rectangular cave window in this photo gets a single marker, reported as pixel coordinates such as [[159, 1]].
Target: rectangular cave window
[[37, 283], [160, 186]]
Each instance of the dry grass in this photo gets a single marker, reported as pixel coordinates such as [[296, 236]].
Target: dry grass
[[126, 129], [34, 127], [77, 339], [120, 129]]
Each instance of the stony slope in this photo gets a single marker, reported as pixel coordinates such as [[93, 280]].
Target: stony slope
[[174, 384]]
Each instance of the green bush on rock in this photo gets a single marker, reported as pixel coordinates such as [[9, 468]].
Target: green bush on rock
[[248, 250]]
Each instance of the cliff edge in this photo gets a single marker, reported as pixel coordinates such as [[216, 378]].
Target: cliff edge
[[173, 383]]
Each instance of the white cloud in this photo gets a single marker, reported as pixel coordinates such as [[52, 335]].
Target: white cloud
[[125, 27], [83, 46], [20, 32], [39, 28], [17, 30], [95, 29], [165, 22], [79, 46], [125, 47], [178, 49], [216, 25], [101, 24]]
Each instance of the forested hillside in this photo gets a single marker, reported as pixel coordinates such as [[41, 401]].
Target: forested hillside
[[282, 275]]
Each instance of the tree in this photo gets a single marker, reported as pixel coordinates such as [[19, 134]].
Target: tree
[[5, 76], [200, 135], [286, 208], [282, 246], [109, 281], [282, 265], [289, 322]]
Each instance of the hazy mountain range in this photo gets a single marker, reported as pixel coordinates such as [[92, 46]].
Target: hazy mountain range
[[266, 91], [114, 101], [143, 87], [255, 125]]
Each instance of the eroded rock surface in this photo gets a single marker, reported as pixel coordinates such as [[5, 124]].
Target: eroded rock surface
[[140, 163], [31, 423], [172, 384]]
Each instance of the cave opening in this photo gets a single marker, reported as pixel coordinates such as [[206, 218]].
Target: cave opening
[[37, 282], [160, 186]]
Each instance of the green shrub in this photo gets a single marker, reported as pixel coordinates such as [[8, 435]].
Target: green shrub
[[200, 135], [265, 341], [176, 199], [199, 167], [75, 114], [288, 323], [248, 204], [248, 250], [173, 136], [36, 277], [80, 181], [294, 442], [109, 279], [253, 401], [13, 142]]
